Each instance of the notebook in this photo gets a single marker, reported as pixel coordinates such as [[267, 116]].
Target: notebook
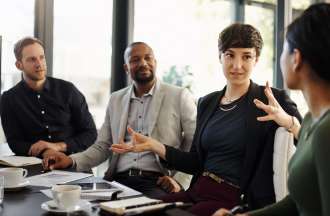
[[18, 161], [135, 205]]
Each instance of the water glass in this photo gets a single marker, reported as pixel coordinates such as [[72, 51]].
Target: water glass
[[2, 188]]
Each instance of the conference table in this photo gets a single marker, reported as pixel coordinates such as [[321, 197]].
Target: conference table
[[27, 200]]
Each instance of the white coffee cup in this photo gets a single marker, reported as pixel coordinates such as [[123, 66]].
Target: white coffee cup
[[13, 176], [66, 196]]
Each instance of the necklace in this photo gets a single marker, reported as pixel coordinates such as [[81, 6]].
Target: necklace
[[228, 100], [227, 109], [229, 104]]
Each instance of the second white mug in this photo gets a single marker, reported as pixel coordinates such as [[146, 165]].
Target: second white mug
[[13, 176], [66, 196]]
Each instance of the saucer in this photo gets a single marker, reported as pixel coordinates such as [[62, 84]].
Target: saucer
[[51, 206], [19, 186]]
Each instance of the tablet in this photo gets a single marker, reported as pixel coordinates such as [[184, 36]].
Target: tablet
[[95, 186]]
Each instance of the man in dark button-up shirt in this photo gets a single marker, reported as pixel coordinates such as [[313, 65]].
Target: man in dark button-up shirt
[[43, 114]]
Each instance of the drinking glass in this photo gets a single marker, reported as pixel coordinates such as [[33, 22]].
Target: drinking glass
[[2, 188]]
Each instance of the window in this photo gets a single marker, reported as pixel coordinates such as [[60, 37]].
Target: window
[[301, 4], [16, 22], [184, 36], [82, 49], [263, 1], [298, 6], [262, 18]]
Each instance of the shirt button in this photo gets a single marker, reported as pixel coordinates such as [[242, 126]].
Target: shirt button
[[47, 126], [134, 159], [38, 96], [42, 112], [140, 116], [49, 136], [141, 102]]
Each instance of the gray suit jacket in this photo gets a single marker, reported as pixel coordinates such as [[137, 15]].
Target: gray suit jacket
[[173, 123]]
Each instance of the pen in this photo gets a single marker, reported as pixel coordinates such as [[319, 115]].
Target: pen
[[50, 162], [236, 209], [139, 209]]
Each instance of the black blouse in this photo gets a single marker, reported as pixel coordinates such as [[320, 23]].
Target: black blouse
[[224, 139]]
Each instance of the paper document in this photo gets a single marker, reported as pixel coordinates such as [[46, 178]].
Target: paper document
[[117, 190], [127, 191], [56, 177], [18, 161], [90, 196]]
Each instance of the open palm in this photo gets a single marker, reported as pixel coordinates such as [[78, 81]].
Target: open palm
[[138, 143], [273, 109]]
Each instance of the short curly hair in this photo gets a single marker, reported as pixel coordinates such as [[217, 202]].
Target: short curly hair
[[240, 35]]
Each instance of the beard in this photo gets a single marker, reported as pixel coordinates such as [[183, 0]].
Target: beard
[[36, 75], [142, 78]]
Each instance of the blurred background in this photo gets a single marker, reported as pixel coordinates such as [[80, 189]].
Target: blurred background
[[84, 40]]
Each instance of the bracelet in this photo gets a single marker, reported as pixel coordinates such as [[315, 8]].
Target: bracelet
[[292, 124]]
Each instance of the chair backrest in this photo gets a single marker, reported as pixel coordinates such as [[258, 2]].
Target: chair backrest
[[284, 148]]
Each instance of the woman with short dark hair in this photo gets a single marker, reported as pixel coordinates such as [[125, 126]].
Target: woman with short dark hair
[[305, 64], [232, 152]]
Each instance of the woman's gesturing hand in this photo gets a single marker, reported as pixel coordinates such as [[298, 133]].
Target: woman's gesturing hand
[[139, 143], [273, 109]]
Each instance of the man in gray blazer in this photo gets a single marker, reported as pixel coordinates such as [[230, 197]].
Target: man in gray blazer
[[164, 112]]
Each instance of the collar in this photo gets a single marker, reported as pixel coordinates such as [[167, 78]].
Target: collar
[[151, 92], [27, 88]]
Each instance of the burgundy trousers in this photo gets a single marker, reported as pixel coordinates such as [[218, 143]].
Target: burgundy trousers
[[207, 196]]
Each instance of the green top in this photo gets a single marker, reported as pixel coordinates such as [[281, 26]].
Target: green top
[[309, 173]]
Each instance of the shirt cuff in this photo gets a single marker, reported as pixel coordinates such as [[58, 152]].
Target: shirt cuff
[[74, 164]]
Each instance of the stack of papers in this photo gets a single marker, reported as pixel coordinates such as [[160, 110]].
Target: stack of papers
[[117, 190], [107, 194], [54, 177], [18, 161]]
